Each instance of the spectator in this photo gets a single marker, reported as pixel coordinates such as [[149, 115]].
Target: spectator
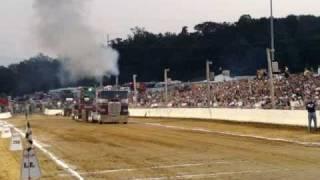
[[311, 108], [290, 93], [286, 72]]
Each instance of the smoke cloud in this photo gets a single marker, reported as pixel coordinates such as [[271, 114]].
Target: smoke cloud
[[62, 29]]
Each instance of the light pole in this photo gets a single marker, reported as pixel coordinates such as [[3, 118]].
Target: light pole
[[101, 82], [272, 50], [208, 63], [166, 84], [271, 56], [271, 79], [134, 77], [117, 82]]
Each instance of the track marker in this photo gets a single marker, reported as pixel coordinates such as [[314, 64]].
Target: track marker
[[58, 161], [6, 132], [30, 168], [16, 143]]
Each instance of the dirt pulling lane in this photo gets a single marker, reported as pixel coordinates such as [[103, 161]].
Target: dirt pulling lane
[[139, 151]]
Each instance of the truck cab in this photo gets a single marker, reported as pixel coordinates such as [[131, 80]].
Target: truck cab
[[110, 106], [83, 103]]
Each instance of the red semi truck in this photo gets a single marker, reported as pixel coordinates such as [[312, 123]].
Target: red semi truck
[[83, 102], [109, 105]]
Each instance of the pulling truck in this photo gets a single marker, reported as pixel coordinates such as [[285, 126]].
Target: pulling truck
[[67, 97], [83, 103], [67, 106], [110, 106]]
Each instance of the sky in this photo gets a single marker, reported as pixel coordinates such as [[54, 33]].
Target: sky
[[116, 17]]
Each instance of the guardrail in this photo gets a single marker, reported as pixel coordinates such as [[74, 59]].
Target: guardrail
[[53, 112], [278, 117], [5, 115]]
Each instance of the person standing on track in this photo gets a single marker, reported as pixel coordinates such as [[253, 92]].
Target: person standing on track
[[311, 108]]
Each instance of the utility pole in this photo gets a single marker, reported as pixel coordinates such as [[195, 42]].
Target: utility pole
[[134, 77], [272, 31], [272, 95], [166, 84], [101, 82], [208, 63], [108, 40]]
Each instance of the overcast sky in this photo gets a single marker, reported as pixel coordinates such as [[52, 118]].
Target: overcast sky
[[116, 17]]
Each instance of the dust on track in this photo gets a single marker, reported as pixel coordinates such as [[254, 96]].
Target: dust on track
[[138, 151]]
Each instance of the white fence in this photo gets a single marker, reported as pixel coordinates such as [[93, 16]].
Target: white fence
[[53, 112], [5, 115], [279, 117]]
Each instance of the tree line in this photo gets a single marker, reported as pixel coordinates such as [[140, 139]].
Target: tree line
[[239, 47]]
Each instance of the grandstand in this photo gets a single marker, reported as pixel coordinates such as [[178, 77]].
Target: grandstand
[[290, 93]]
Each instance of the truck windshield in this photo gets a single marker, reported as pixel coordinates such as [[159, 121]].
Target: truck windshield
[[113, 95]]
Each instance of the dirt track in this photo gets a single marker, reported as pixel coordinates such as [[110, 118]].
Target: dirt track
[[149, 149]]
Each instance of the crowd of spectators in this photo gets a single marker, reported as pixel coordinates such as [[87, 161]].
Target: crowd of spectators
[[291, 92]]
